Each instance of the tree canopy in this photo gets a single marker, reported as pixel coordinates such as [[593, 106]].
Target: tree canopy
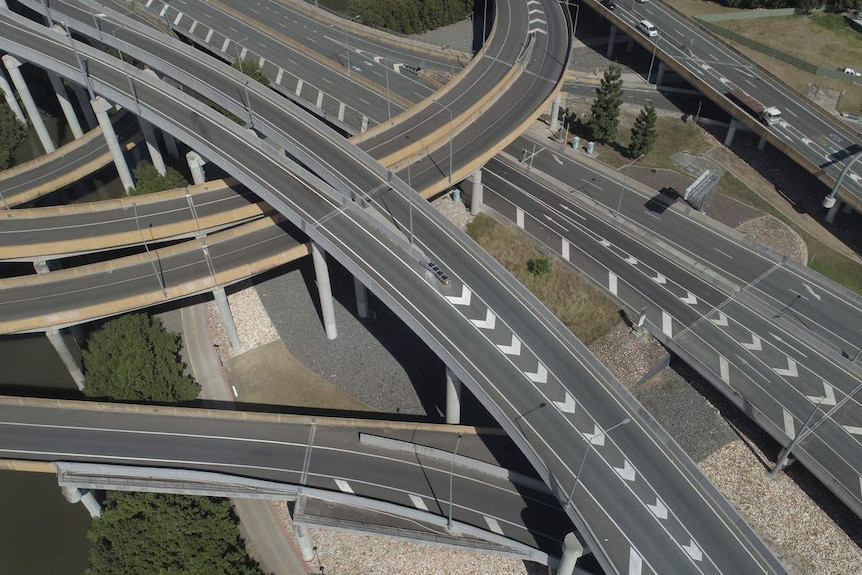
[[133, 357], [167, 534], [149, 181], [643, 132], [12, 133], [605, 111], [410, 16], [251, 68]]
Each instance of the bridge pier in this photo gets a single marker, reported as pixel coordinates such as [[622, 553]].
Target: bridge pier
[[555, 113], [630, 45], [572, 551], [364, 126], [9, 95], [761, 144], [196, 167], [611, 41], [227, 318], [66, 105], [153, 146], [101, 107], [833, 211], [324, 291], [453, 398], [361, 298], [478, 191], [662, 68], [74, 495], [14, 67], [731, 131], [56, 338], [300, 533], [84, 104]]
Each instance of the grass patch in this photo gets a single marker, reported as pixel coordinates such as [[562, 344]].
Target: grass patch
[[832, 22], [580, 306]]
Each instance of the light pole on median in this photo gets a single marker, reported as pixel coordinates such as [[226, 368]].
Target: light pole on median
[[451, 472], [623, 183], [446, 107], [602, 434]]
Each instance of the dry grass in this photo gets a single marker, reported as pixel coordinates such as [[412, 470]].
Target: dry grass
[[583, 308], [695, 7]]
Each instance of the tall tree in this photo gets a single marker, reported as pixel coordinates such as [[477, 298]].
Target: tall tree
[[643, 132], [605, 112], [12, 133], [149, 181], [133, 357], [149, 533]]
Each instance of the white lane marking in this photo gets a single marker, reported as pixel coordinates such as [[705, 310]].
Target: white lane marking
[[488, 323], [568, 405], [163, 11], [721, 321], [693, 551], [558, 160], [319, 103], [538, 376], [790, 371], [519, 218], [666, 324], [193, 27], [852, 429], [812, 292], [612, 282], [225, 44], [659, 279], [243, 53], [493, 525], [828, 397], [659, 509], [724, 369], [464, 298], [605, 243], [513, 348], [209, 36], [299, 84], [261, 62], [343, 486], [725, 254], [627, 472], [755, 344], [636, 562], [631, 261], [279, 76], [789, 425], [597, 437], [418, 502], [690, 298], [235, 394], [565, 249]]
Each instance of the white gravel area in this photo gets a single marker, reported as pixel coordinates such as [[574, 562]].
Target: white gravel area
[[457, 212], [775, 234]]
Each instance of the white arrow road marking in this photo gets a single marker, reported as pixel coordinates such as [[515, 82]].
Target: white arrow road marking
[[463, 299], [828, 397], [789, 425], [659, 279], [693, 551], [631, 261], [627, 472], [556, 223], [493, 525], [597, 437], [659, 510], [568, 405], [558, 160], [636, 562], [605, 243], [721, 321], [418, 502], [397, 67], [488, 323], [690, 298], [513, 348], [378, 59], [852, 429], [754, 345], [540, 375], [724, 369], [666, 324], [812, 292], [344, 486], [612, 282], [790, 371]]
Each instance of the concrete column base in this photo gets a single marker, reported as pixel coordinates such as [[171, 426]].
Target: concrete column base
[[361, 298], [453, 398], [56, 339], [227, 318], [14, 66], [303, 542], [196, 167], [476, 198], [101, 107], [324, 290], [572, 551]]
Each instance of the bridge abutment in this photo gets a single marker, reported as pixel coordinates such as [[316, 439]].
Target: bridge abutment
[[101, 107], [324, 290], [14, 66]]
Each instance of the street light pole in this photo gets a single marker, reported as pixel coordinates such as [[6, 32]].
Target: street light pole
[[451, 471], [587, 452], [623, 183]]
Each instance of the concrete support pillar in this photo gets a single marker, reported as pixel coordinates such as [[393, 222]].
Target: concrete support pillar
[[171, 145], [478, 190], [731, 131], [761, 143], [74, 495], [364, 126], [555, 113], [848, 209], [572, 551], [361, 298], [41, 266], [662, 68], [453, 398], [84, 103], [324, 291], [227, 318], [630, 45], [833, 211], [101, 107], [56, 339], [9, 95], [153, 146], [303, 542], [66, 105], [611, 41], [196, 166], [14, 67]]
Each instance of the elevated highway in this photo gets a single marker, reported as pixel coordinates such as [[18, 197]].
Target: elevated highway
[[670, 521]]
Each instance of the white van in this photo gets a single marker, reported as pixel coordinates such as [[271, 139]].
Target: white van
[[647, 28]]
